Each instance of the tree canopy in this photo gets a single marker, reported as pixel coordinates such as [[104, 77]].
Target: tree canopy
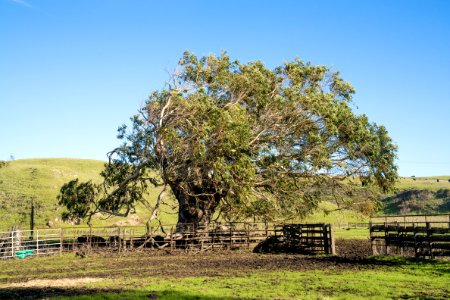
[[240, 140]]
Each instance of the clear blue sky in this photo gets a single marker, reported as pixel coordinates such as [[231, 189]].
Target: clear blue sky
[[71, 72]]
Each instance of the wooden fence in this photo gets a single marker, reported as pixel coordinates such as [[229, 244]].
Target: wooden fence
[[312, 238], [306, 238], [417, 218], [419, 239]]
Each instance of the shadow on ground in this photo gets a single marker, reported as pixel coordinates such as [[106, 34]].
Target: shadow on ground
[[48, 293]]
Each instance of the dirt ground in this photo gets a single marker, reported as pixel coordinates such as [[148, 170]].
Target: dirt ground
[[39, 284]]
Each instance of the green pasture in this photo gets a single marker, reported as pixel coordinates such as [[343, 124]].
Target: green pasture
[[424, 183], [386, 278]]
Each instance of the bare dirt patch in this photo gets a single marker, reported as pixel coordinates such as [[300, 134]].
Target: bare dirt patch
[[353, 248], [63, 282]]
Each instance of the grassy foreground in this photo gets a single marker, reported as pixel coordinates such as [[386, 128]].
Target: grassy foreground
[[218, 276]]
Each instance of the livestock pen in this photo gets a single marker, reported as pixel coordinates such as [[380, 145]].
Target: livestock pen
[[301, 238]]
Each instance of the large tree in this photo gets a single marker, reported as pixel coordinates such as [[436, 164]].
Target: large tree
[[243, 140]]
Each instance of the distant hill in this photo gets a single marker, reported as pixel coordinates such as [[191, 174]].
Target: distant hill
[[39, 180], [414, 201]]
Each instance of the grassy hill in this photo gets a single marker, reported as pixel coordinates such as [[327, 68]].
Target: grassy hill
[[421, 195], [39, 180]]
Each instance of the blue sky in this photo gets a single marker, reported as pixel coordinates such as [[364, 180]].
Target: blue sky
[[71, 72]]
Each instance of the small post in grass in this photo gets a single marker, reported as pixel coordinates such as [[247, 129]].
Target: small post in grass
[[60, 240]]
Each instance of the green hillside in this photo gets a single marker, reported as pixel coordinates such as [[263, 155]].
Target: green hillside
[[419, 195], [39, 180]]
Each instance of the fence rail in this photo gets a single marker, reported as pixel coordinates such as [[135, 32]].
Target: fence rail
[[22, 243], [307, 238], [419, 239]]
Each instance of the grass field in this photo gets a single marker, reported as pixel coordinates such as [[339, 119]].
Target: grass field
[[424, 183], [223, 276]]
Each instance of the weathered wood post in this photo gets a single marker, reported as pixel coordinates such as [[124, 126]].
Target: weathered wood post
[[37, 242], [429, 239], [90, 238], [231, 236], [372, 244], [247, 227], [32, 220], [171, 238], [332, 242], [325, 239], [266, 226], [61, 232], [416, 248], [119, 239], [12, 243], [131, 238]]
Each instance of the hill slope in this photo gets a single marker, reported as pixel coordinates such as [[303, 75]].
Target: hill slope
[[39, 180]]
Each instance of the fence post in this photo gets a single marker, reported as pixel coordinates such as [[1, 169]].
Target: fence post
[[416, 248], [90, 238], [386, 233], [171, 238], [266, 226], [429, 238], [131, 238], [12, 242], [61, 232], [37, 242], [372, 244], [247, 227], [333, 245], [231, 237], [325, 239], [119, 240]]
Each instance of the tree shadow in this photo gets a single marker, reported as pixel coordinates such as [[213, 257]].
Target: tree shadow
[[101, 293]]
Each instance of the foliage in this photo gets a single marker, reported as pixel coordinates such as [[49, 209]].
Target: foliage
[[247, 141], [77, 197]]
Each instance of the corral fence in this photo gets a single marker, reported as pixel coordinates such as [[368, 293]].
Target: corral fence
[[23, 243], [313, 238], [426, 236], [352, 225], [305, 238]]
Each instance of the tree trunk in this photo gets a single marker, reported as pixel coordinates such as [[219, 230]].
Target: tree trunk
[[196, 208]]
